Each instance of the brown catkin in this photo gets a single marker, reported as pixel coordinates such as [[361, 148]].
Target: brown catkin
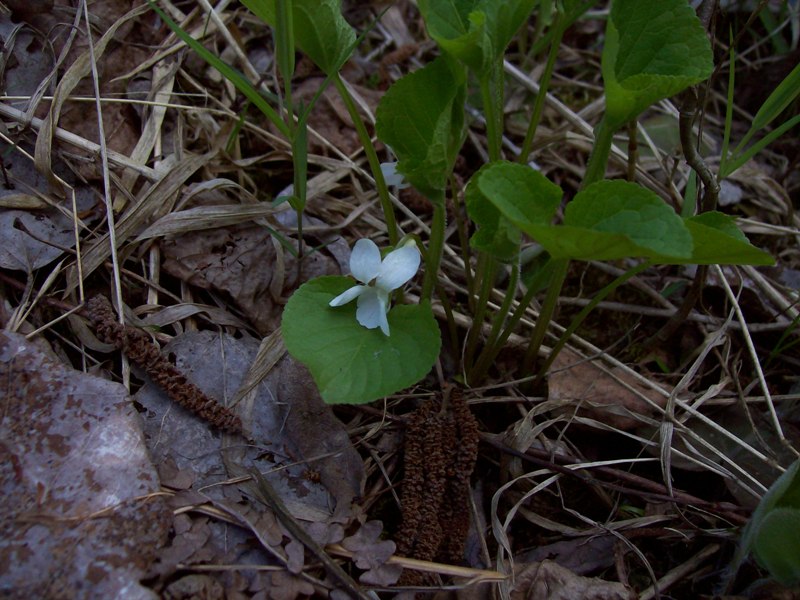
[[441, 447], [141, 350]]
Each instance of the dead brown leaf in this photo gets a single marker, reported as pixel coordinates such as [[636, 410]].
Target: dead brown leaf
[[30, 239], [610, 396], [370, 553], [195, 587], [549, 581], [580, 555], [286, 586], [246, 263]]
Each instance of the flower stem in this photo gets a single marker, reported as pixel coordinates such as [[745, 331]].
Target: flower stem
[[462, 228], [544, 83], [435, 248], [491, 85], [484, 275], [603, 137], [560, 267], [488, 354], [481, 367], [372, 158]]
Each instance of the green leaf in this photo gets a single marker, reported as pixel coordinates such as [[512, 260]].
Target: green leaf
[[453, 26], [476, 32], [625, 208], [740, 158], [606, 221], [717, 240], [777, 545], [495, 235], [319, 29], [784, 495], [526, 194], [525, 191], [653, 50], [579, 243], [422, 118], [781, 97], [352, 364]]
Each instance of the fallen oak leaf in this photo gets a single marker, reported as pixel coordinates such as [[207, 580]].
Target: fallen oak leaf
[[610, 396], [369, 551]]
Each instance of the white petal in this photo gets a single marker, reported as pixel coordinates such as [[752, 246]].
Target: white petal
[[392, 177], [398, 267], [348, 295], [371, 311], [365, 260]]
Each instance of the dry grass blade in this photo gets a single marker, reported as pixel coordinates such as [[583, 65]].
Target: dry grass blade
[[205, 217], [154, 199], [77, 71]]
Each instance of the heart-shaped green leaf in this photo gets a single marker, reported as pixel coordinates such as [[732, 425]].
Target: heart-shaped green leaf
[[580, 243], [476, 32], [319, 29], [495, 235], [422, 118], [777, 545], [717, 240], [456, 28], [524, 190], [652, 51], [622, 207], [349, 363], [606, 221], [765, 535]]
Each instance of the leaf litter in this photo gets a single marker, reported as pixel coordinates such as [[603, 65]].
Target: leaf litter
[[118, 486]]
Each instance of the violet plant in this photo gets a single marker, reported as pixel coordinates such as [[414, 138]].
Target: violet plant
[[652, 51], [356, 344]]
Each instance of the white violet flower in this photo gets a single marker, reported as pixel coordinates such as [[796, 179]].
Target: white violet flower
[[392, 177], [380, 279]]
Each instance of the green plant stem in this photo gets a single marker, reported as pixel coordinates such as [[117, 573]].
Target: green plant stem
[[560, 267], [285, 49], [581, 316], [491, 85], [603, 137], [435, 248], [633, 150], [544, 84], [372, 158], [505, 308], [463, 231], [452, 328], [478, 372], [484, 276], [481, 368]]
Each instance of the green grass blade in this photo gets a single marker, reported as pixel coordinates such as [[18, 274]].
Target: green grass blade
[[726, 136], [778, 100], [757, 147]]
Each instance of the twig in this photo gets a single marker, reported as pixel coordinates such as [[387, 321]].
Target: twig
[[138, 346], [271, 499]]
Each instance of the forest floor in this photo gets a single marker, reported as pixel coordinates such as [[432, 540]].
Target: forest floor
[[137, 173]]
